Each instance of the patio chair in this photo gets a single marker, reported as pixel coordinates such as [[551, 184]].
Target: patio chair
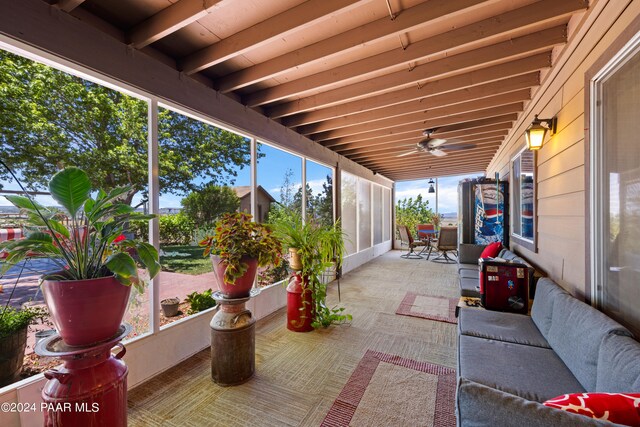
[[407, 239], [447, 243], [429, 233]]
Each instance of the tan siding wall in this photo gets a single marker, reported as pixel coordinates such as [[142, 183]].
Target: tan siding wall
[[561, 173]]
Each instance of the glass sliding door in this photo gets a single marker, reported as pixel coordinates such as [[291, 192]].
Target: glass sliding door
[[615, 177]]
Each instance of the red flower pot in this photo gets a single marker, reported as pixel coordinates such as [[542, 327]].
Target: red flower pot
[[242, 286], [88, 311], [299, 305]]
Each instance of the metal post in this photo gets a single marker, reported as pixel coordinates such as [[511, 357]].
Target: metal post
[[154, 208], [304, 188], [254, 178], [437, 211]]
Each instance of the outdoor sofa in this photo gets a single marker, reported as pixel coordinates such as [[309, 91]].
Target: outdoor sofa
[[509, 364]]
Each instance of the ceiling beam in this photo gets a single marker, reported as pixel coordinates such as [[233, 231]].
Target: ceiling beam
[[419, 126], [169, 20], [423, 14], [479, 148], [439, 173], [295, 18], [461, 97], [361, 154], [528, 17], [507, 119], [296, 113], [433, 161], [431, 170], [502, 128], [69, 5], [428, 115], [467, 61]]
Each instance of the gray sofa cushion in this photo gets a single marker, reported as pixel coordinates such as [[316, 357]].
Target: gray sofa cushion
[[533, 373], [467, 267], [618, 367], [481, 406], [470, 274], [468, 253], [542, 310], [508, 327], [576, 333], [468, 287]]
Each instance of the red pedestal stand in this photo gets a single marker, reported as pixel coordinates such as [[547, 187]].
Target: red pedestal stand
[[299, 305], [90, 389]]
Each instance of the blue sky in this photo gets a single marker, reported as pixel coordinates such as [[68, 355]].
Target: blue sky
[[447, 191]]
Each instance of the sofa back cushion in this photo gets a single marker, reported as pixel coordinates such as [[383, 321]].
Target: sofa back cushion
[[618, 367], [576, 334], [542, 310]]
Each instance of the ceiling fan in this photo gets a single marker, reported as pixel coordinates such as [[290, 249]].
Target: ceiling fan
[[431, 145]]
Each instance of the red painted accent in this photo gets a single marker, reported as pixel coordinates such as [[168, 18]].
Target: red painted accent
[[86, 312], [299, 306], [89, 390], [243, 285]]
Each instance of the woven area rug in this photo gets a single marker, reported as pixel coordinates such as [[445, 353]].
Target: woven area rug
[[388, 390], [429, 307]]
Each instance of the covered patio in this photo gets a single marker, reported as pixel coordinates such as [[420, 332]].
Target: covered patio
[[326, 106]]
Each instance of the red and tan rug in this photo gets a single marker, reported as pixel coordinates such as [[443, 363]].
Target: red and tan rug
[[429, 307], [388, 390]]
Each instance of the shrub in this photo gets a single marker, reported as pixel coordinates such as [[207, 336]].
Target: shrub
[[176, 229], [200, 301]]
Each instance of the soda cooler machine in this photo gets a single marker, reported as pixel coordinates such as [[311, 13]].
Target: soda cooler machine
[[482, 211]]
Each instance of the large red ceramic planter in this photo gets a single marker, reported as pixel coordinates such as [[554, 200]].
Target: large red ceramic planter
[[242, 286], [299, 305], [86, 312]]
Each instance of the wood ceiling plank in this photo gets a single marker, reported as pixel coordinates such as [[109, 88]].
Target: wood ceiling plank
[[169, 20], [414, 17], [433, 169], [524, 17], [458, 97], [426, 174], [485, 147], [298, 17], [408, 143], [398, 134], [360, 154], [296, 113], [427, 115], [428, 160], [478, 58], [428, 124], [69, 5]]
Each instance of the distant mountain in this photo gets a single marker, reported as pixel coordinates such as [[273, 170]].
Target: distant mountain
[[9, 210], [449, 214]]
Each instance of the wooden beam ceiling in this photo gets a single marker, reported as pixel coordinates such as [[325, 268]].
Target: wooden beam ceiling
[[353, 79], [169, 20]]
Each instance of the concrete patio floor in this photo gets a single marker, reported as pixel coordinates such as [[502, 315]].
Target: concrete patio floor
[[299, 375]]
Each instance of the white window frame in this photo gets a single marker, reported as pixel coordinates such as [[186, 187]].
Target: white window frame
[[512, 218]]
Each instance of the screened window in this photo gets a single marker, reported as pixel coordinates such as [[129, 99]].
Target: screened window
[[523, 199]]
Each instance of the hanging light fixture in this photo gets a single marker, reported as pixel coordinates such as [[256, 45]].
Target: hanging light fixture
[[431, 188], [537, 131]]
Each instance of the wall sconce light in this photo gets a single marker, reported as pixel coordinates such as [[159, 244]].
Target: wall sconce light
[[537, 131]]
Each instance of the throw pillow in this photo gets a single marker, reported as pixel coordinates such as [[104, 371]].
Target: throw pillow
[[491, 250], [618, 408]]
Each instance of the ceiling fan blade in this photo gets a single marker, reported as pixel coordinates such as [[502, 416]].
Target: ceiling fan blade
[[437, 153], [460, 147], [436, 142], [407, 153]]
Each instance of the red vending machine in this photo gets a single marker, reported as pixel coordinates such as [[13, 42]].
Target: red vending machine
[[504, 286]]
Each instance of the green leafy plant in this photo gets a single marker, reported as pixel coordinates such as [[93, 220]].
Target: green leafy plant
[[320, 247], [237, 236], [92, 244], [200, 301], [13, 320], [411, 212]]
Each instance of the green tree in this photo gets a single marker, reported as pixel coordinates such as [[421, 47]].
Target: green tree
[[205, 206], [50, 119], [411, 212]]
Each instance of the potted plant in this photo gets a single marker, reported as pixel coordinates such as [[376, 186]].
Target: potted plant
[[88, 296], [237, 248], [170, 306], [13, 340], [319, 248]]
